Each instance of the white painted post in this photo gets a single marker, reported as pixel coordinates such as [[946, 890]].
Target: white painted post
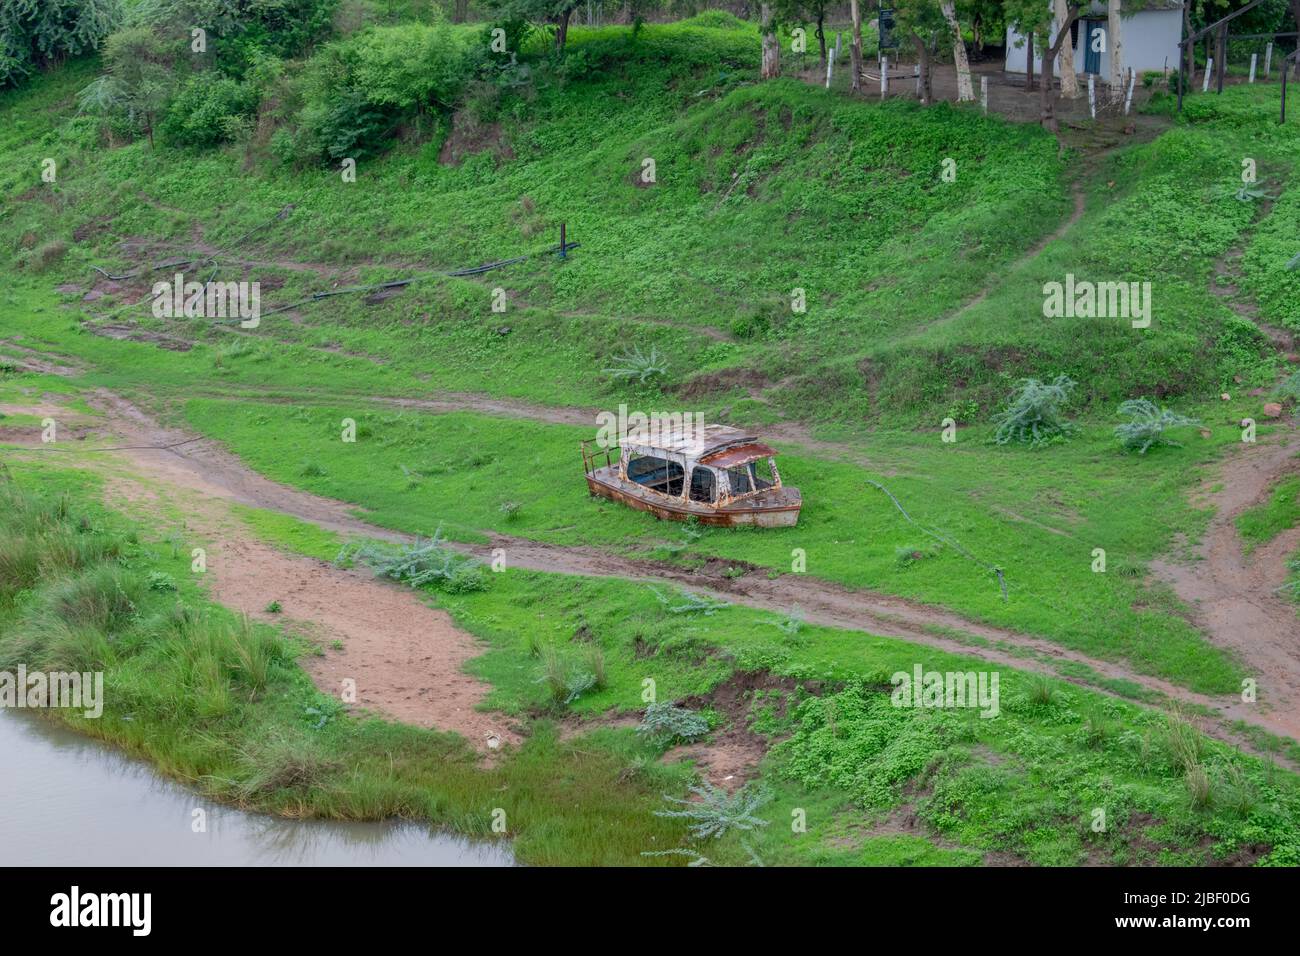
[[984, 94], [830, 66], [1268, 59], [884, 76], [916, 71], [1128, 100], [1092, 94], [1252, 68], [1209, 68]]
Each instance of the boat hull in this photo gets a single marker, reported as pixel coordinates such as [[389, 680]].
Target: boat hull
[[778, 508]]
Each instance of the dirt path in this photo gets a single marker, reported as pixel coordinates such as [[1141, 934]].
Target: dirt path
[[406, 658], [1234, 597], [205, 468]]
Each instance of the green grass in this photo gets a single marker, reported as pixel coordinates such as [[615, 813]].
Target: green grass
[[1266, 521], [223, 706], [998, 502]]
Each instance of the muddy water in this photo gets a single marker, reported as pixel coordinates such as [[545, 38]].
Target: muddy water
[[67, 800]]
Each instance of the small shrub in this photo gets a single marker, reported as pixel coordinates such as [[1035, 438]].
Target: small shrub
[[639, 366], [563, 683], [273, 608], [160, 581], [1289, 389], [666, 722], [312, 469], [424, 562], [716, 812], [596, 661], [1035, 413], [1041, 690], [1198, 786], [1147, 425]]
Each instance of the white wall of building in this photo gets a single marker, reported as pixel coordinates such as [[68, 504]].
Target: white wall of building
[[1150, 43]]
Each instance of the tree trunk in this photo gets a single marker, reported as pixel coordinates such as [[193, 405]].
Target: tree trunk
[[771, 48], [1047, 96], [460, 11], [923, 67], [1029, 62], [855, 48], [1115, 29], [965, 92], [1069, 79], [562, 30], [1189, 52], [821, 38], [1221, 55]]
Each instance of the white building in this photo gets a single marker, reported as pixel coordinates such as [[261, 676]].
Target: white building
[[1150, 40]]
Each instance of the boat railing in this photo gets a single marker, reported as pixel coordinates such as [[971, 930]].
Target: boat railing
[[591, 455]]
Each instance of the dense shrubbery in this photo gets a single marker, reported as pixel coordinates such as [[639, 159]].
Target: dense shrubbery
[[209, 109], [36, 32], [353, 93]]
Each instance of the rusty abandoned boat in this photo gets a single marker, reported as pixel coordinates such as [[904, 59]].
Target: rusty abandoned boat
[[716, 474]]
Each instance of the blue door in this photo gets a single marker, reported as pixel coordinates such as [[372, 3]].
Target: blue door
[[1092, 52]]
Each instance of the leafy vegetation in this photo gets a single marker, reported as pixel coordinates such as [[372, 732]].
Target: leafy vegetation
[[1147, 425]]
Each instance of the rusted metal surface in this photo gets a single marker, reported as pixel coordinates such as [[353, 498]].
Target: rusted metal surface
[[735, 455], [772, 508]]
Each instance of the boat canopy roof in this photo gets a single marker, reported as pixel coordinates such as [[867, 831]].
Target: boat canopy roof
[[735, 455], [689, 441]]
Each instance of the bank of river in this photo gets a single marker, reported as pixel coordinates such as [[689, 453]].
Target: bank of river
[[68, 800]]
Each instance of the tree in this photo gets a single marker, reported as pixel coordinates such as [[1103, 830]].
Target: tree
[[771, 67], [1115, 36], [1069, 81], [37, 33], [141, 78], [1029, 17], [924, 22], [965, 91], [554, 13], [855, 48]]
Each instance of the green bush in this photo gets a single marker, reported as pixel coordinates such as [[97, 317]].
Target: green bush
[[1035, 413], [36, 33], [209, 109], [356, 92]]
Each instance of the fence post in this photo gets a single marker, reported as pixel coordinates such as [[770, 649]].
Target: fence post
[[839, 36], [1209, 68], [830, 66], [884, 76], [984, 94], [1092, 94], [1268, 59], [1252, 67], [1128, 100], [916, 71]]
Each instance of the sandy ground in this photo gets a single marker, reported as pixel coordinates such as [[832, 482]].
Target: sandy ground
[[406, 658]]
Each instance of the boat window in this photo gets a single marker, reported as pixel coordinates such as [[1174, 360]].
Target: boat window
[[657, 474], [762, 473], [703, 486], [739, 477]]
